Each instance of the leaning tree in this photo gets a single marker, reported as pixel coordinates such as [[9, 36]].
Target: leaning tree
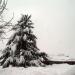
[[21, 48]]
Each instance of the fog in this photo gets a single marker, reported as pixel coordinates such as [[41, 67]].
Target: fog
[[53, 22]]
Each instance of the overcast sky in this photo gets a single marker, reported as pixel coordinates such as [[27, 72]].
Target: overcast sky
[[54, 22]]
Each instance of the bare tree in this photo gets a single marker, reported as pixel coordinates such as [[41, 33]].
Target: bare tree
[[3, 4], [4, 24]]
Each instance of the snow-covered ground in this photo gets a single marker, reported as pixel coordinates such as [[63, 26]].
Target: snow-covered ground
[[60, 69], [55, 69]]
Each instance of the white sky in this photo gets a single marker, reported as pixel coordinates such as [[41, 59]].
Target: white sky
[[54, 22]]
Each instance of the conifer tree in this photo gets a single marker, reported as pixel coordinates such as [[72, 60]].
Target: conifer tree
[[21, 48]]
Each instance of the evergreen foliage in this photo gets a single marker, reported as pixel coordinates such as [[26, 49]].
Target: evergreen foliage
[[21, 49]]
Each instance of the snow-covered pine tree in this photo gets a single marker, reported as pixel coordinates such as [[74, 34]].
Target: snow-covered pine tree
[[21, 48]]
